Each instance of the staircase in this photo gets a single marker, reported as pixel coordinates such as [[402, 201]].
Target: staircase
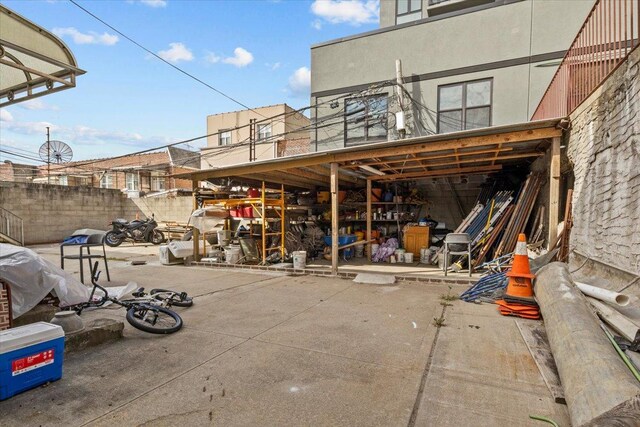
[[11, 228]]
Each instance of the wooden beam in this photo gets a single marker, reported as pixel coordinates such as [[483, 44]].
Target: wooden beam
[[334, 218], [418, 159], [436, 173], [321, 180], [554, 191], [511, 156], [369, 219], [280, 180], [326, 172]]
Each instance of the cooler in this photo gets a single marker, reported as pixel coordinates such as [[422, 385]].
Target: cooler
[[30, 355]]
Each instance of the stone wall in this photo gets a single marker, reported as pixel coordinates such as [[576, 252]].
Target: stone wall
[[604, 150], [52, 212]]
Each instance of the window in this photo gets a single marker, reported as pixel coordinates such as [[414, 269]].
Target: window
[[365, 119], [157, 183], [62, 180], [464, 106], [106, 181], [224, 137], [408, 10], [264, 131], [133, 181]]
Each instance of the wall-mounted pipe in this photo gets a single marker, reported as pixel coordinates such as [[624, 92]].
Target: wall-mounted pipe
[[603, 294]]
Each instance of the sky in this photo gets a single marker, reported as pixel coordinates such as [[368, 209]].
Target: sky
[[256, 51]]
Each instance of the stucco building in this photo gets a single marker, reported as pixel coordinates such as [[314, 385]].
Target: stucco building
[[257, 134], [465, 64]]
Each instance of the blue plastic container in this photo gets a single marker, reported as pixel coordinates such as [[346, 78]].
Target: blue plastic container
[[344, 240], [30, 356]]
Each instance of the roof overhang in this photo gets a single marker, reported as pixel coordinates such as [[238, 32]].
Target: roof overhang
[[478, 151], [33, 61]]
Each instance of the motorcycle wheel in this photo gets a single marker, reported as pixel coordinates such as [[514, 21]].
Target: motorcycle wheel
[[157, 237], [112, 239]]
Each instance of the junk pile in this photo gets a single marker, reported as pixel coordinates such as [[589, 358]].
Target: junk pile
[[305, 237], [495, 225]]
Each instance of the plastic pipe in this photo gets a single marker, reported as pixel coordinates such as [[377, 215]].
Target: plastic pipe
[[603, 294]]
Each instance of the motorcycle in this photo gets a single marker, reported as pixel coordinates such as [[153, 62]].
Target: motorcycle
[[136, 231]]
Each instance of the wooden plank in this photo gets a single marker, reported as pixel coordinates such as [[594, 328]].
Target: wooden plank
[[554, 191], [442, 172], [334, 218], [369, 188], [535, 337], [458, 162], [326, 172], [437, 156]]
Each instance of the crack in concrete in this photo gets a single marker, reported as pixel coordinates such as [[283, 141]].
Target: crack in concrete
[[425, 374]]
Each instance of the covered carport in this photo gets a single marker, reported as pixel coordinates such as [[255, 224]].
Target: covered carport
[[481, 151]]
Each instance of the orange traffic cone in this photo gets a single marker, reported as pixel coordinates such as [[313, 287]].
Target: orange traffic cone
[[520, 287], [518, 298]]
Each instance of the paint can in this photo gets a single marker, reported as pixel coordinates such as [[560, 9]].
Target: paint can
[[359, 251], [399, 253], [408, 257], [224, 237], [374, 248], [232, 255], [299, 259]]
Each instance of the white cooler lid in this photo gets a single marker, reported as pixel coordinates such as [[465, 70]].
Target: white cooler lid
[[24, 336]]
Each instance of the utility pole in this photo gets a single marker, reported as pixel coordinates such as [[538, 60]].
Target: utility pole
[[48, 157], [400, 116], [252, 139]]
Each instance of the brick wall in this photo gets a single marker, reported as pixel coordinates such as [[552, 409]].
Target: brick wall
[[604, 150], [52, 212]]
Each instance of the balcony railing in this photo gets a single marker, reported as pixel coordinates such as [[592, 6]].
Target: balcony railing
[[606, 38]]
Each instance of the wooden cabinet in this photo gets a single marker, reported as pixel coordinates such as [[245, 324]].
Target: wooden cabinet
[[416, 237]]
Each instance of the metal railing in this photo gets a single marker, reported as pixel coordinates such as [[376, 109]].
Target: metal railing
[[606, 38], [11, 226]]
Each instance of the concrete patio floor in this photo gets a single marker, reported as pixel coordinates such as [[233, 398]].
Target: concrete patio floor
[[271, 349]]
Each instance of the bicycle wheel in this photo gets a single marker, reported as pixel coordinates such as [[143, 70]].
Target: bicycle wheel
[[179, 299], [153, 319]]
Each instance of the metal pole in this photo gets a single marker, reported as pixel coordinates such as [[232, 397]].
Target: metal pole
[[334, 219], [400, 92], [48, 157]]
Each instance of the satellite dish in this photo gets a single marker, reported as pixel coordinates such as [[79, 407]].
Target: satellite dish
[[55, 152]]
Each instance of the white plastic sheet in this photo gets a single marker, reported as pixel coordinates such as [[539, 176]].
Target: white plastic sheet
[[31, 278]]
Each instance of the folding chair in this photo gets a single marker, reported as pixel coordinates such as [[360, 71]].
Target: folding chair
[[94, 240], [457, 241]]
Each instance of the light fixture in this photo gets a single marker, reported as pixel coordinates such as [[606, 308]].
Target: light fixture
[[372, 170]]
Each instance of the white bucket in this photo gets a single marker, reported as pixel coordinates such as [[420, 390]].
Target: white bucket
[[399, 253], [359, 251], [299, 259], [374, 248], [408, 257], [232, 255], [224, 237]]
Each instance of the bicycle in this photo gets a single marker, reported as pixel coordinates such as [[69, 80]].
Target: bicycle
[[147, 312]]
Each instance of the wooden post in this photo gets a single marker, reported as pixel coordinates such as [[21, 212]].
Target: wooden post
[[369, 219], [554, 191], [196, 233], [334, 219]]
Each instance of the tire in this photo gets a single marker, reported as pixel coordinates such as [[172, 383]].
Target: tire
[[112, 239], [146, 317], [175, 298], [157, 237]]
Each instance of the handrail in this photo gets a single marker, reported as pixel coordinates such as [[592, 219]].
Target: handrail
[[609, 34], [12, 226]]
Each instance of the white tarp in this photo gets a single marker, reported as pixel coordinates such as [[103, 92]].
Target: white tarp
[[31, 278]]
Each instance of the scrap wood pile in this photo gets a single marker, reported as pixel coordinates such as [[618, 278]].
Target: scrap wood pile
[[495, 225], [305, 237]]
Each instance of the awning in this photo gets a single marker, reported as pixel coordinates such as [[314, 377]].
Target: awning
[[33, 62], [478, 151]]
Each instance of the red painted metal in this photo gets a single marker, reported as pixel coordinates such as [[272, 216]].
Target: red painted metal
[[609, 34]]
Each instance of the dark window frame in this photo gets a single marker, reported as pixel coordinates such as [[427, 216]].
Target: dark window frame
[[220, 132], [463, 109], [409, 11], [365, 139]]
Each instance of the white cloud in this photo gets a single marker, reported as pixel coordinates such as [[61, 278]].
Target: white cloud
[[177, 52], [300, 82], [5, 116], [354, 12], [241, 58], [37, 104], [212, 58], [317, 24], [154, 3], [86, 38]]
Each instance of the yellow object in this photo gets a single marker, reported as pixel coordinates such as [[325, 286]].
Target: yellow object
[[323, 196]]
